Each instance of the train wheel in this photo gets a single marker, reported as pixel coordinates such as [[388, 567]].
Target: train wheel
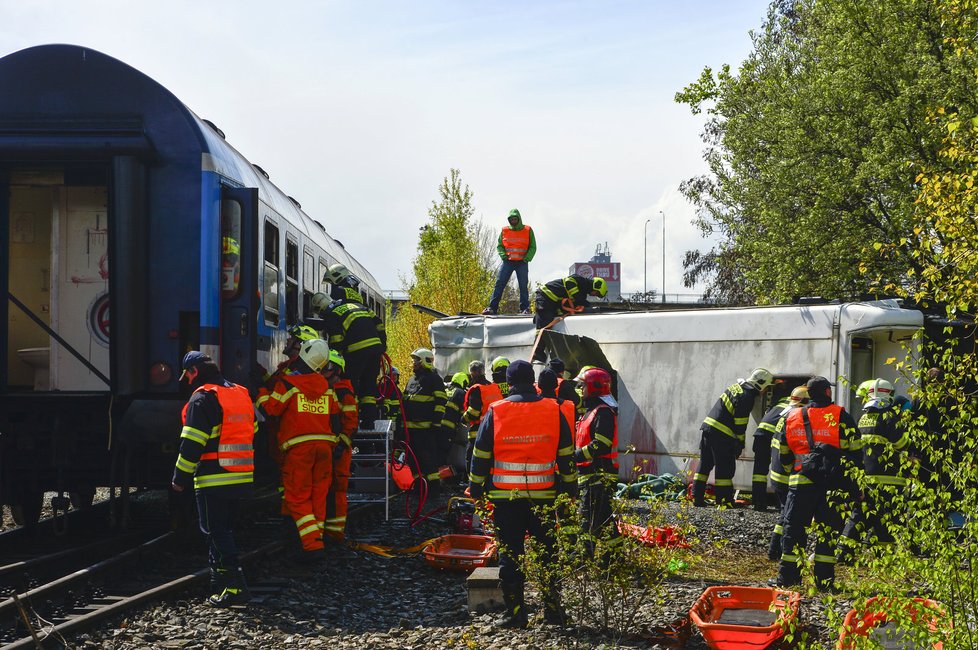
[[82, 497], [27, 510]]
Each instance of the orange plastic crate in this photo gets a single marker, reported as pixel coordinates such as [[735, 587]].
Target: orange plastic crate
[[460, 552], [862, 620], [733, 618]]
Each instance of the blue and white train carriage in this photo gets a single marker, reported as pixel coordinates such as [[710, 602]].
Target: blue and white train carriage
[[135, 233]]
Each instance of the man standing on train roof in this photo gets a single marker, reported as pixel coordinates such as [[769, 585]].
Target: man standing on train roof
[[523, 458], [517, 245], [723, 433], [216, 450], [306, 437], [358, 334]]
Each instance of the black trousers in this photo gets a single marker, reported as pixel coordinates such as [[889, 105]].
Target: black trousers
[[424, 444], [514, 519], [363, 368], [596, 510], [718, 454], [805, 503], [216, 516], [762, 463]]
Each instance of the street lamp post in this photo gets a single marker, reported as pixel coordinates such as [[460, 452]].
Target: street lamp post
[[646, 265], [663, 256]]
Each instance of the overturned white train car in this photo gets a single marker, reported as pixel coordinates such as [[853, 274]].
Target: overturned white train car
[[671, 365]]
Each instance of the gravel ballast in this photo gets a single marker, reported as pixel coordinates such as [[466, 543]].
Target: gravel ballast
[[362, 600]]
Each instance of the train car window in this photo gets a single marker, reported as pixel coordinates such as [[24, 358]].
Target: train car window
[[308, 281], [291, 282], [270, 279], [230, 249], [323, 267]]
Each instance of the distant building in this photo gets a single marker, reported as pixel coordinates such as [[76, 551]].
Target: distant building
[[601, 266]]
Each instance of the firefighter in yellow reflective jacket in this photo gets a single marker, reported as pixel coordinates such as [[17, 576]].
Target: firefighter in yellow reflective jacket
[[523, 458], [779, 473], [358, 334], [883, 438], [723, 433], [216, 452], [424, 410], [481, 394]]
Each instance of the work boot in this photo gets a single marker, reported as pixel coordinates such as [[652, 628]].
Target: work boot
[[759, 496], [724, 495], [235, 593], [219, 580], [515, 614], [699, 494], [553, 613]]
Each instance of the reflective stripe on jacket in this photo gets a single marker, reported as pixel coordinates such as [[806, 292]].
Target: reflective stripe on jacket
[[525, 440], [731, 412], [588, 440], [305, 405], [516, 242]]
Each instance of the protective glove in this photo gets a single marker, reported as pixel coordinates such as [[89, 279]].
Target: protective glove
[[338, 450]]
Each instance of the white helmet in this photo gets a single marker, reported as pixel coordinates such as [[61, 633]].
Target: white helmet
[[336, 273], [315, 354], [319, 302], [761, 378], [426, 356], [879, 393]]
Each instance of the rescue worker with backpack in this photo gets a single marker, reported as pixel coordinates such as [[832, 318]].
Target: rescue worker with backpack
[[722, 436], [596, 455], [306, 437], [359, 335], [823, 439], [216, 452], [523, 458], [883, 439], [345, 423]]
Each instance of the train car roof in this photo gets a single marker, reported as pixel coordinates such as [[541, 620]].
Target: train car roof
[[38, 75]]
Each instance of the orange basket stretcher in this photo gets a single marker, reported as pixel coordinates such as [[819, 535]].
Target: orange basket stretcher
[[867, 620], [741, 618], [460, 552]]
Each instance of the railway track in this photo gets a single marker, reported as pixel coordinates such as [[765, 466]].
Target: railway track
[[47, 599]]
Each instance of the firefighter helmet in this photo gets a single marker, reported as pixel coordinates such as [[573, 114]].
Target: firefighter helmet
[[320, 301], [336, 359], [584, 369], [599, 286], [799, 396], [863, 389], [303, 333], [760, 378], [426, 356], [597, 382], [879, 393], [461, 379], [336, 273], [499, 363], [315, 354]]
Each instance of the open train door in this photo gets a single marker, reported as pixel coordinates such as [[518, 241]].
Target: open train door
[[239, 283]]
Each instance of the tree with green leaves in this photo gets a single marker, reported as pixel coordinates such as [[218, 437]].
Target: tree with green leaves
[[450, 274], [814, 145]]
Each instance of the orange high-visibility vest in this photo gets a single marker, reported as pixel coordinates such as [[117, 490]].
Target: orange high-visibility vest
[[235, 450], [525, 440], [490, 393], [825, 430], [584, 437], [516, 242]]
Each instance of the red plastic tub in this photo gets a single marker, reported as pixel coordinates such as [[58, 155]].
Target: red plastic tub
[[460, 552], [664, 536], [868, 620], [735, 618]]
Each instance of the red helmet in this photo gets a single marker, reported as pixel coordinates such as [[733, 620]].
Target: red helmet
[[597, 382]]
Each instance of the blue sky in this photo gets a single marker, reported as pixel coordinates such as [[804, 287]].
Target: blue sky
[[359, 109]]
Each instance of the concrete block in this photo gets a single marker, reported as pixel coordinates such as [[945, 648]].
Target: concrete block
[[484, 592]]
